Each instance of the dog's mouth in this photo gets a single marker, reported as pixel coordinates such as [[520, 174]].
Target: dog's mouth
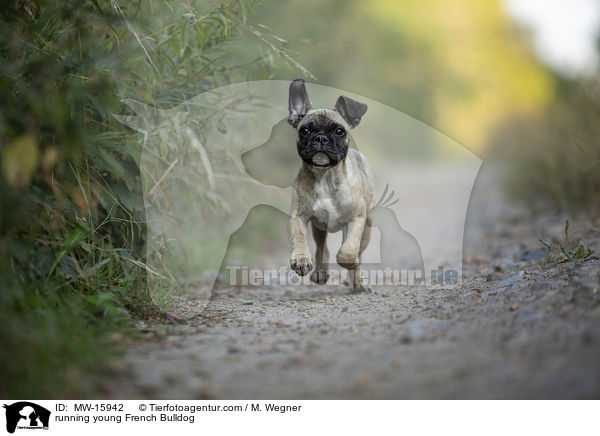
[[320, 159]]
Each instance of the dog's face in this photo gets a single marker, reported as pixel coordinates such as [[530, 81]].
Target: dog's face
[[323, 134], [322, 138]]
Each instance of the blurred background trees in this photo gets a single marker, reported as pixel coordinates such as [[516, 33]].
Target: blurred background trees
[[72, 221], [470, 70]]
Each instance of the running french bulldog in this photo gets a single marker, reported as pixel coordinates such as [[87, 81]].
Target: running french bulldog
[[334, 189]]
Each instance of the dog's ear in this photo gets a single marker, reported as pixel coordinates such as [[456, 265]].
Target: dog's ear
[[350, 110], [299, 103]]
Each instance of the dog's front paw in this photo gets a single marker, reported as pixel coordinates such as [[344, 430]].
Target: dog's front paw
[[346, 259], [301, 264]]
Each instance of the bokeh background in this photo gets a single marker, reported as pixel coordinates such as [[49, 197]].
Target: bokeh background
[[516, 82]]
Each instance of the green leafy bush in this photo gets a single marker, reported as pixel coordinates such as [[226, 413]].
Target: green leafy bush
[[72, 223]]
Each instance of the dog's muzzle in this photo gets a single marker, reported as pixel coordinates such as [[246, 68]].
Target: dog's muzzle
[[320, 159], [321, 150]]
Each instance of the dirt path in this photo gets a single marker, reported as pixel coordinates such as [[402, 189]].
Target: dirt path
[[522, 325]]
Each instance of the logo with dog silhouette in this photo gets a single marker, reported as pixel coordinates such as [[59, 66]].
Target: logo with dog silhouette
[[25, 415]]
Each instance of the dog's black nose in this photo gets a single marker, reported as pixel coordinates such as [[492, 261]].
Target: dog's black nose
[[321, 139]]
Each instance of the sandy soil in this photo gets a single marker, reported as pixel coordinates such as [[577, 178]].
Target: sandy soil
[[522, 325]]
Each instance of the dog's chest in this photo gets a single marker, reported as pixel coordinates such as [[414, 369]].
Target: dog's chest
[[328, 207]]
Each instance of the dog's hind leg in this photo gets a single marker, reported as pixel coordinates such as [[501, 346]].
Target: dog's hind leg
[[319, 275], [364, 240], [349, 254], [357, 285]]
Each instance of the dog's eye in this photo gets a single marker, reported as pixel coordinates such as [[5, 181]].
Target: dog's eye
[[339, 131], [304, 131]]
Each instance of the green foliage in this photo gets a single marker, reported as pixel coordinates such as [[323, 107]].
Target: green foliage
[[72, 227], [566, 251], [54, 344]]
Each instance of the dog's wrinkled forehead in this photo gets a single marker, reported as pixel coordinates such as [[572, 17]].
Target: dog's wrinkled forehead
[[323, 118]]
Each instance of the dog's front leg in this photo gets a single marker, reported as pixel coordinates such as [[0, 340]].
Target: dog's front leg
[[300, 259], [319, 275]]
